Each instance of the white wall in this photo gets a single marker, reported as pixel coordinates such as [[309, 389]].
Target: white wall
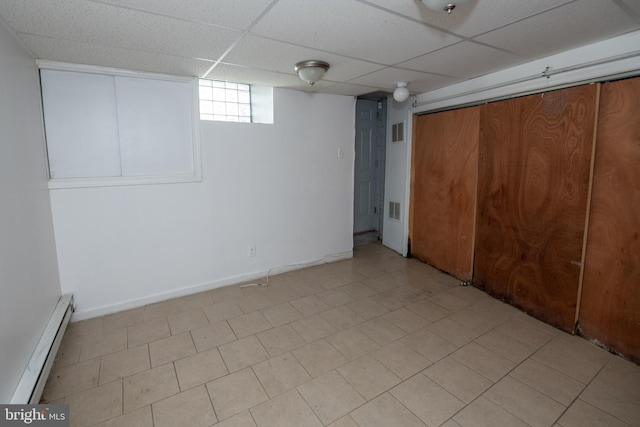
[[29, 283], [281, 187], [397, 167]]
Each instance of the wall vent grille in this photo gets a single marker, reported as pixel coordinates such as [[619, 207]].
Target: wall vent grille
[[394, 210], [397, 132]]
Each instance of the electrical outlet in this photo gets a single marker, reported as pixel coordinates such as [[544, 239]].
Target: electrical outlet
[[252, 251]]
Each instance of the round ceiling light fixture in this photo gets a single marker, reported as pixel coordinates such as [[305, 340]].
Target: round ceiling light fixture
[[311, 70], [401, 93], [446, 5]]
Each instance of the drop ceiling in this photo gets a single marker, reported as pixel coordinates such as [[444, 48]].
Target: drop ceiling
[[370, 44]]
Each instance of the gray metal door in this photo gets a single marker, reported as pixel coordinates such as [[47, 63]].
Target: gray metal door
[[369, 166]]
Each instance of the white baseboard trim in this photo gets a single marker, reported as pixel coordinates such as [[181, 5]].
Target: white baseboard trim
[[34, 377], [207, 286]]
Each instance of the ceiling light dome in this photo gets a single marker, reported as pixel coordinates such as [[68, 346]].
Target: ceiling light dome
[[311, 70], [401, 93], [446, 5]]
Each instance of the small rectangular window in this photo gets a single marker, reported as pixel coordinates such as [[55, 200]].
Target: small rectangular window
[[225, 101]]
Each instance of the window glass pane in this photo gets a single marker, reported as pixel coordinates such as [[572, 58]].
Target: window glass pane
[[232, 95], [205, 92], [232, 109], [244, 97], [244, 110], [219, 107], [219, 94], [206, 107], [225, 101]]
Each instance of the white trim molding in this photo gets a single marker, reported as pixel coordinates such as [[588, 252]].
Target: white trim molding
[[614, 58], [260, 275], [29, 389]]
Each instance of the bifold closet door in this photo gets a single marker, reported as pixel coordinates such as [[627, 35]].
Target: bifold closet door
[[533, 181], [444, 176], [610, 304]]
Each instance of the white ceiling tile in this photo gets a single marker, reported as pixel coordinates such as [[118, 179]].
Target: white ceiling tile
[[273, 55], [473, 18], [352, 29], [573, 25], [238, 14], [386, 79], [233, 73], [349, 89], [432, 83], [106, 56], [462, 60], [370, 44], [88, 22], [634, 6]]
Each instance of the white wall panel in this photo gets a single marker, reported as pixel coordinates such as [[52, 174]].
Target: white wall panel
[[281, 187], [86, 146], [29, 284], [152, 116], [107, 126]]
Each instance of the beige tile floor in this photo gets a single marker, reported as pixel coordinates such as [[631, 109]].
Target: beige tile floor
[[375, 341]]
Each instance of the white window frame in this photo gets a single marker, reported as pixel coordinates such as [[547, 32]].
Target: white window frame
[[193, 176]]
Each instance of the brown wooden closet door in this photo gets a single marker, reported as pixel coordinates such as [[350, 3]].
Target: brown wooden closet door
[[533, 180], [610, 305], [444, 174]]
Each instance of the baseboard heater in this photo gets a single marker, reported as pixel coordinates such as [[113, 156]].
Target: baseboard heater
[[29, 389]]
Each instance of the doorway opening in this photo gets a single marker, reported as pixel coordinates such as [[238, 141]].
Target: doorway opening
[[370, 152]]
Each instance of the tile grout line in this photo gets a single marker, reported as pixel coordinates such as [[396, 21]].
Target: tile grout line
[[501, 378], [508, 373], [588, 403], [211, 399]]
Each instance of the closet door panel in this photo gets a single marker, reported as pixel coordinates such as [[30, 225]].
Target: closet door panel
[[534, 165], [610, 305], [496, 261], [444, 167]]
